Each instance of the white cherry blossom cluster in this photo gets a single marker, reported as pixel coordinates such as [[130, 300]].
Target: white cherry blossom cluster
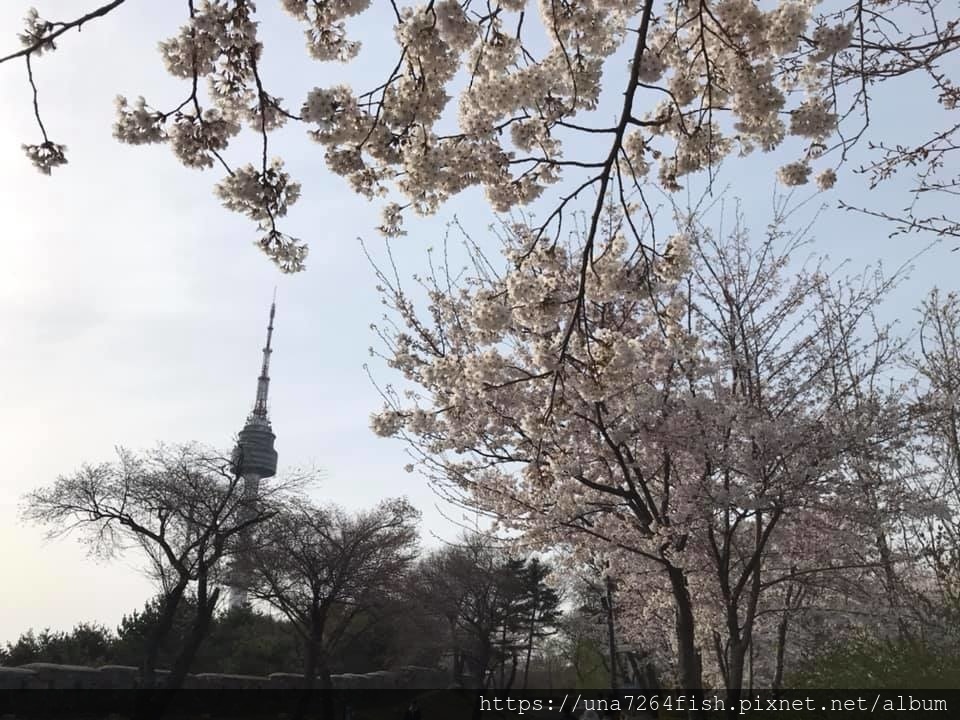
[[711, 79], [455, 27], [266, 113], [393, 137], [796, 173], [326, 32], [139, 124], [36, 32], [219, 43], [288, 253], [261, 196], [746, 67], [827, 179], [828, 40], [46, 156], [197, 47], [392, 221], [813, 119], [637, 154], [195, 139]]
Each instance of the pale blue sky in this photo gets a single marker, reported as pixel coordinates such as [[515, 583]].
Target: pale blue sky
[[133, 307]]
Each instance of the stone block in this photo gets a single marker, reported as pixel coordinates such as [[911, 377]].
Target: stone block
[[384, 679], [286, 681], [120, 677], [347, 681], [224, 681], [67, 677], [423, 678], [15, 678]]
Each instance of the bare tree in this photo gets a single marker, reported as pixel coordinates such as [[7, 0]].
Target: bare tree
[[323, 568], [182, 506]]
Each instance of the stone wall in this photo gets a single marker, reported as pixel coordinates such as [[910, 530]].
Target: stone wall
[[49, 676]]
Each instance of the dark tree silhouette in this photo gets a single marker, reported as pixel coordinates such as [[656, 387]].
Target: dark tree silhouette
[[325, 570], [183, 507]]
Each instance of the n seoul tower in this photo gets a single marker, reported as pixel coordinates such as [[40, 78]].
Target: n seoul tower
[[254, 459]]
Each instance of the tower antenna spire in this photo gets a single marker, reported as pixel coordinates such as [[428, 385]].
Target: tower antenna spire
[[263, 382]]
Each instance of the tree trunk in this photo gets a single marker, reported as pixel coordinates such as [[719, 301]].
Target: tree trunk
[[459, 665], [315, 666], [503, 654], [782, 629], [159, 633], [198, 632], [484, 662], [456, 657], [688, 657], [892, 582], [533, 626], [735, 667], [324, 678], [741, 635], [736, 647], [644, 675], [721, 654], [310, 664], [324, 683], [513, 672], [611, 635], [319, 674], [316, 676], [526, 662]]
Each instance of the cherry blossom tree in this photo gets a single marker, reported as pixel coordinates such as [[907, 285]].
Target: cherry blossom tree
[[697, 82], [691, 432], [898, 583], [938, 365]]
